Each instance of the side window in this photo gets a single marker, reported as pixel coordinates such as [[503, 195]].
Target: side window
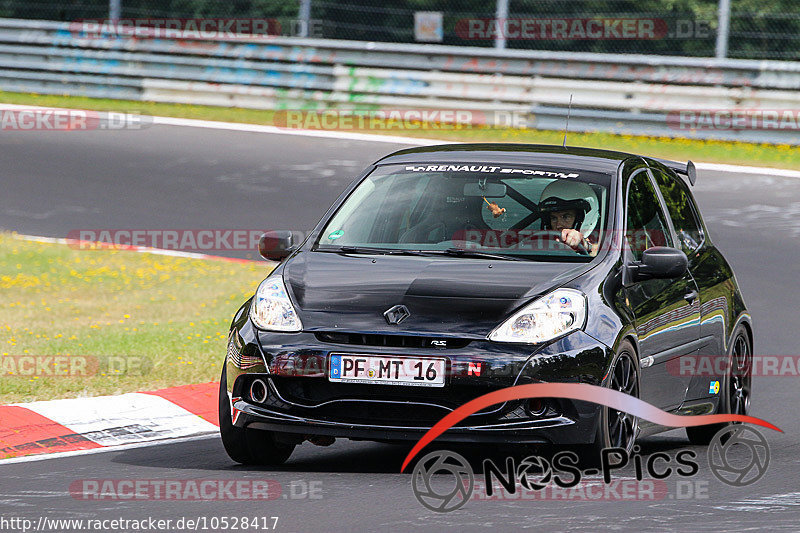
[[682, 210], [646, 224]]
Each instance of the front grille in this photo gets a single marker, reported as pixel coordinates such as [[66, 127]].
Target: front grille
[[394, 341]]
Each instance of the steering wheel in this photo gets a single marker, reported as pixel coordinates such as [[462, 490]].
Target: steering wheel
[[580, 249]]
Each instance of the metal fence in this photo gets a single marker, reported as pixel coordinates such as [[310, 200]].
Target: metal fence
[[747, 29], [635, 94]]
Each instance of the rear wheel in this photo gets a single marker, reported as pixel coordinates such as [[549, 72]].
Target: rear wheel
[[736, 388], [244, 445]]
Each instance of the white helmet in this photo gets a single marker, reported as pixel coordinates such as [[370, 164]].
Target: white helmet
[[563, 194]]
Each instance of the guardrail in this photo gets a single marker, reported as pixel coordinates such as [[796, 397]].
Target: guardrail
[[620, 94]]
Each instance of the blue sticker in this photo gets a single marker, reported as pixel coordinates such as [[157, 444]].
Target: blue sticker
[[336, 366], [713, 387], [336, 234]]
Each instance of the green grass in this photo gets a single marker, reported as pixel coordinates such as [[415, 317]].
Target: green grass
[[778, 156], [129, 321]]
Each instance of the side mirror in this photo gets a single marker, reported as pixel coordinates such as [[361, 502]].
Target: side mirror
[[660, 262], [277, 245]]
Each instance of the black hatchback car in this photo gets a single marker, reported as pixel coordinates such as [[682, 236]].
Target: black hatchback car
[[447, 272]]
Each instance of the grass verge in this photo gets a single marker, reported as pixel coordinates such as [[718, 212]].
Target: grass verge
[[778, 156], [93, 322]]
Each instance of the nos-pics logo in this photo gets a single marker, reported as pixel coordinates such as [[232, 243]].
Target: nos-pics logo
[[444, 481]]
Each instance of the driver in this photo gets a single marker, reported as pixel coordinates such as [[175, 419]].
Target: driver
[[567, 210]]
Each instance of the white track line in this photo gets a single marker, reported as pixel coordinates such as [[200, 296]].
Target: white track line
[[255, 128], [91, 451], [147, 417], [367, 137], [259, 128], [740, 169]]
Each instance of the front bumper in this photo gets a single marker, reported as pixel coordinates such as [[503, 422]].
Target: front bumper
[[558, 429], [304, 402]]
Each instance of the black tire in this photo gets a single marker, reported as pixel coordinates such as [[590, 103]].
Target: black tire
[[736, 387], [248, 446], [616, 429], [233, 438], [265, 449]]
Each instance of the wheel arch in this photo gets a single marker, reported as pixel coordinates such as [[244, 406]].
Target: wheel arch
[[745, 321], [629, 336]]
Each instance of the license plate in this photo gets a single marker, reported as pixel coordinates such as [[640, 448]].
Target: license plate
[[387, 370]]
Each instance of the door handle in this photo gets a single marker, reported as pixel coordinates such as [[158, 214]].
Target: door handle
[[691, 296]]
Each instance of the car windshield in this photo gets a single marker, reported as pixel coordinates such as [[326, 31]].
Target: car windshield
[[473, 210]]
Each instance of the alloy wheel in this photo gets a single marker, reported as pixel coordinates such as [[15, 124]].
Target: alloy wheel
[[740, 377], [622, 426]]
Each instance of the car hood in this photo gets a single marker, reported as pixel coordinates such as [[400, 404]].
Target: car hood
[[463, 297]]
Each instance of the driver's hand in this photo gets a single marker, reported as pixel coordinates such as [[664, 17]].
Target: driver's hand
[[572, 238]]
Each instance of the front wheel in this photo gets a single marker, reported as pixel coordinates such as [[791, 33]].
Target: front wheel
[[618, 429], [244, 445], [735, 391]]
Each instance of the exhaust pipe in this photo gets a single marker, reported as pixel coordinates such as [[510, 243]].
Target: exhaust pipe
[[258, 391], [536, 407]]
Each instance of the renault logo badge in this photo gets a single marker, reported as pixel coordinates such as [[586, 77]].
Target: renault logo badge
[[396, 314]]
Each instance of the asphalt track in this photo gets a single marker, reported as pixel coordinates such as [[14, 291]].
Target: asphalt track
[[179, 177]]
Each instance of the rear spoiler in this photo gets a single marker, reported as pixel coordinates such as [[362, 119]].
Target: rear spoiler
[[687, 169]]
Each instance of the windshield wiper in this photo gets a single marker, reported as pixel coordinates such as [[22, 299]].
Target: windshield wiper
[[367, 250], [455, 252], [459, 252]]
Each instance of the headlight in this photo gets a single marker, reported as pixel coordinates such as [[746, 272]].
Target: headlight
[[271, 308], [556, 314]]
